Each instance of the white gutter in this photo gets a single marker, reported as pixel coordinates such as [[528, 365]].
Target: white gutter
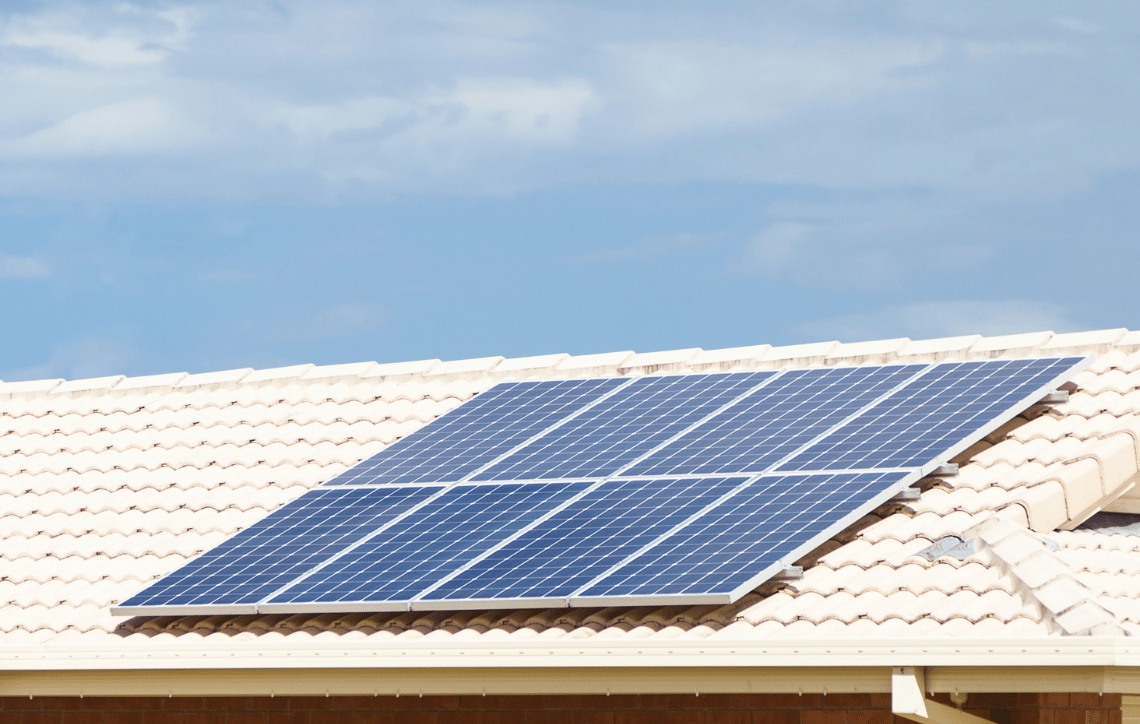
[[611, 654]]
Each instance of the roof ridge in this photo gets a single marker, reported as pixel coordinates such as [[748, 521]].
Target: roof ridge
[[1044, 578], [692, 359]]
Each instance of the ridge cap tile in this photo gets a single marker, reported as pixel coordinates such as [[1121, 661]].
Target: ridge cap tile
[[350, 369], [203, 379], [167, 380], [273, 374], [533, 363], [30, 386], [412, 368], [800, 353], [1011, 343], [664, 359], [601, 363], [728, 356], [90, 384], [939, 345], [1102, 339], [868, 348], [463, 367]]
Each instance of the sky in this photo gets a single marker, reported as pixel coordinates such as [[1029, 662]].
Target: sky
[[212, 185]]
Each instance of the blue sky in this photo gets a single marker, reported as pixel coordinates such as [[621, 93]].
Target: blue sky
[[199, 186]]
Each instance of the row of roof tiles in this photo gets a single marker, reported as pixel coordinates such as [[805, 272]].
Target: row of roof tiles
[[693, 359]]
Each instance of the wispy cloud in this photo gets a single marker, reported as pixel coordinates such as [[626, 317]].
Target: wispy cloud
[[22, 267]]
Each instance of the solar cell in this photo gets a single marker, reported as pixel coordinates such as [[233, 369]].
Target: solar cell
[[582, 540], [745, 538], [279, 548], [624, 426], [460, 442], [437, 539], [934, 415], [759, 430]]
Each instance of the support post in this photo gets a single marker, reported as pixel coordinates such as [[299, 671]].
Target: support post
[[908, 700]]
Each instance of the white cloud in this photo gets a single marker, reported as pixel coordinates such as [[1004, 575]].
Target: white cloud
[[141, 125], [673, 88], [923, 320], [22, 267], [107, 52]]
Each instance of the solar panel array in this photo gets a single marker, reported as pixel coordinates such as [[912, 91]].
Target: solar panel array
[[663, 489]]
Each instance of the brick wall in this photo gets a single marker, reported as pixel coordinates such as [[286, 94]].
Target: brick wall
[[618, 709]]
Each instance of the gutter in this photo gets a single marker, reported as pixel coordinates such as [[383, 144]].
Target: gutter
[[240, 668]]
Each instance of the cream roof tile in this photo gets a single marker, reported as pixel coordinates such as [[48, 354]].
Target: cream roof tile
[[882, 350], [645, 363], [140, 383], [938, 349], [729, 359], [1011, 345], [90, 385], [31, 386], [523, 367], [1098, 342], [799, 355], [123, 485], [277, 374]]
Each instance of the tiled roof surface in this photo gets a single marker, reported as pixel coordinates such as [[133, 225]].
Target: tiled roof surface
[[106, 484]]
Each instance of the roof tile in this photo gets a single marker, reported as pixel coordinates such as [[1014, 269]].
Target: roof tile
[[646, 363], [1012, 345]]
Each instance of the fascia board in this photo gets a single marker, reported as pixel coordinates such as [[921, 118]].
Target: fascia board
[[610, 655], [444, 680]]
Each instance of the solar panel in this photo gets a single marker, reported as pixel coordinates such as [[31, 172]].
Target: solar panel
[[759, 430], [662, 489], [928, 415], [581, 541], [619, 429], [437, 539], [457, 444], [744, 540], [237, 574]]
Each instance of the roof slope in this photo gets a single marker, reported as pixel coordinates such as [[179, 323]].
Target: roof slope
[[107, 484]]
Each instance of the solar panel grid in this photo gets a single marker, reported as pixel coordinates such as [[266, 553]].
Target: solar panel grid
[[623, 427], [459, 443], [282, 546], [435, 540], [756, 432], [746, 534], [620, 539], [598, 530]]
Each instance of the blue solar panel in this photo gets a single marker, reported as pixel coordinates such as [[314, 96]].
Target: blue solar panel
[[584, 539], [772, 518], [932, 415], [457, 444], [282, 546], [624, 426], [437, 539], [756, 432]]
